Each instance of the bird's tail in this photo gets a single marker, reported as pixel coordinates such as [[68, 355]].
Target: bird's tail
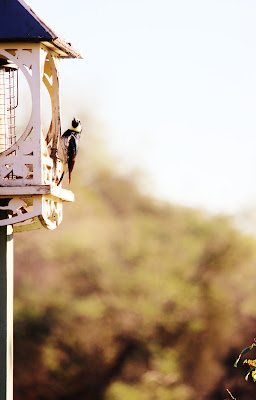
[[60, 179]]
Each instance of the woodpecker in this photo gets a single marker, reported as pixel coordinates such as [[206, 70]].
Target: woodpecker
[[69, 144]]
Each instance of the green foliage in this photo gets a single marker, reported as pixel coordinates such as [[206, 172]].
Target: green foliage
[[251, 363]]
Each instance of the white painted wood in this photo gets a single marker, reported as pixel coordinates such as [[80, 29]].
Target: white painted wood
[[31, 168], [9, 319], [37, 71], [55, 191], [6, 313], [28, 226], [31, 59]]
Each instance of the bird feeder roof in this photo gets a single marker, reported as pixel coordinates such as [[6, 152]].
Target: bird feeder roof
[[20, 23]]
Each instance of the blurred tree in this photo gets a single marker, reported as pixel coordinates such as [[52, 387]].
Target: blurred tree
[[131, 298]]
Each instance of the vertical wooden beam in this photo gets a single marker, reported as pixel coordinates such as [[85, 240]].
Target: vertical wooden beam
[[36, 92], [6, 308]]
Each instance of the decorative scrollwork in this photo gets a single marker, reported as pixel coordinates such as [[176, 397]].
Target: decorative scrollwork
[[30, 168], [33, 159], [52, 212], [32, 212]]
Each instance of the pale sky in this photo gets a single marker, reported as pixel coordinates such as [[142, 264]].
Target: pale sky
[[175, 83]]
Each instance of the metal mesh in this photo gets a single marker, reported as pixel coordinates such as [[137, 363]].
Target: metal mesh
[[8, 103]]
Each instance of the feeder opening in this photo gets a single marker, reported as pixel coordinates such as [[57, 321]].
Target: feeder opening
[[8, 103]]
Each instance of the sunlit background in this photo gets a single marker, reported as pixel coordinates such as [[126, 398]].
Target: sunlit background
[[146, 291], [175, 84]]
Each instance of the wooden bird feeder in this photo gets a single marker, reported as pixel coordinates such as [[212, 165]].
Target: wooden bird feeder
[[30, 164], [29, 161]]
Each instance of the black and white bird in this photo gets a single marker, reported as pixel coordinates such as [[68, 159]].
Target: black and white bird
[[69, 144]]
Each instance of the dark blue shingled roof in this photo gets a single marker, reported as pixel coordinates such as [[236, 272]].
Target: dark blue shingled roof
[[19, 22]]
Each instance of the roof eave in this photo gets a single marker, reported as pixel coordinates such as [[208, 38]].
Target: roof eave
[[67, 51], [66, 48]]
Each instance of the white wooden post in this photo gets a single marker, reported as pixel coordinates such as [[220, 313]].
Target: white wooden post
[[6, 308]]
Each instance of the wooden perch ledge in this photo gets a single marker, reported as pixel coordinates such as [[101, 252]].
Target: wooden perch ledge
[[56, 191]]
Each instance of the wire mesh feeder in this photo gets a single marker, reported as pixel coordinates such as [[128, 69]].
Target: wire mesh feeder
[[30, 166], [28, 174], [8, 103]]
